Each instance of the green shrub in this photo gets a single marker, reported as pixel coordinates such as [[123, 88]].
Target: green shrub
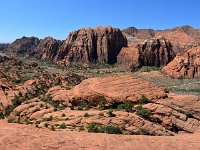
[[128, 106], [72, 107], [2, 116], [93, 127], [143, 100], [63, 126], [63, 115], [110, 113], [188, 114], [112, 130], [134, 68], [11, 120], [101, 105], [48, 119], [143, 113], [86, 115]]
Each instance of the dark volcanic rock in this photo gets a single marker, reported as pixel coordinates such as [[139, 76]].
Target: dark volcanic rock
[[101, 45]]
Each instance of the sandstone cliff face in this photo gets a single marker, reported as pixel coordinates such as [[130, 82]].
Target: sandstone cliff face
[[154, 52], [182, 38], [48, 48], [185, 64], [101, 45]]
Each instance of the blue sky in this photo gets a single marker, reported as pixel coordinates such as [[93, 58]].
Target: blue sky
[[57, 18]]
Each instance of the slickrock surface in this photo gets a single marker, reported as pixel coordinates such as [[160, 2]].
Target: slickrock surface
[[24, 137]]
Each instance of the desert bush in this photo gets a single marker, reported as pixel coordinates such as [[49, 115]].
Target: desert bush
[[63, 126], [101, 105], [86, 115], [48, 119], [63, 115], [143, 113], [143, 100], [128, 106], [110, 113], [112, 130], [134, 68], [188, 114], [11, 120], [93, 127]]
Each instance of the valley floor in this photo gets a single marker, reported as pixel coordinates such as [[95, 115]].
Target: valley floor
[[25, 137]]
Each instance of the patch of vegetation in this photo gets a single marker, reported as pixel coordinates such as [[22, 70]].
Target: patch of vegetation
[[134, 68], [110, 113], [112, 130], [72, 107], [63, 126], [84, 106], [143, 113], [93, 127], [97, 128], [53, 128], [11, 120], [101, 105], [143, 100], [149, 69], [63, 115], [2, 116], [48, 119], [101, 114], [86, 115], [188, 114], [128, 106]]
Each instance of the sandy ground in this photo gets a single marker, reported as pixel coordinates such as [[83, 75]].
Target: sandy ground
[[25, 137]]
